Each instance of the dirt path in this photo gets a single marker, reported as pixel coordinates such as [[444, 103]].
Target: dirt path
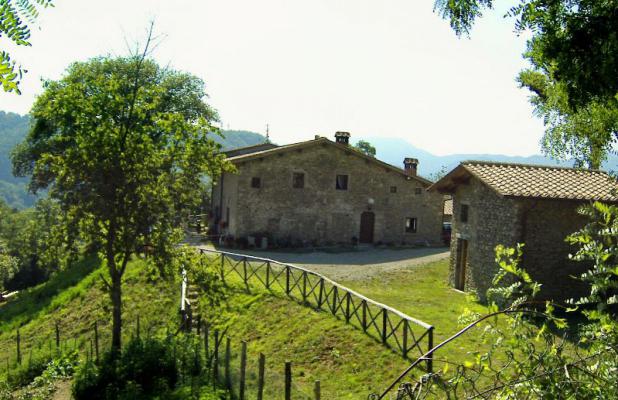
[[355, 264]]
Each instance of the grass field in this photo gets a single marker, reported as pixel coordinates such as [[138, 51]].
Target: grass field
[[348, 363]]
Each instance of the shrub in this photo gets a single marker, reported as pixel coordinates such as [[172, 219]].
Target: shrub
[[143, 369]]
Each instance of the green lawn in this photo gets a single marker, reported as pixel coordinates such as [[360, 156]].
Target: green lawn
[[422, 292], [348, 363]]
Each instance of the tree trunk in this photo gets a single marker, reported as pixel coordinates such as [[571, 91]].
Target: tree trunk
[[116, 297]]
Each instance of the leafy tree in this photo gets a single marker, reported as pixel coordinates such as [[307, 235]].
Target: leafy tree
[[365, 147], [573, 82], [13, 17], [122, 145]]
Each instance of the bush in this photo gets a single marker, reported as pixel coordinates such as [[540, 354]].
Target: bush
[[145, 368]]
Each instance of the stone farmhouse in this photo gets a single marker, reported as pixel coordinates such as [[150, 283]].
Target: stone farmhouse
[[499, 203], [321, 192]]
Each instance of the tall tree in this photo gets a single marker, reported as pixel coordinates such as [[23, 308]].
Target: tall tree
[[365, 147], [122, 145], [574, 64], [13, 17]]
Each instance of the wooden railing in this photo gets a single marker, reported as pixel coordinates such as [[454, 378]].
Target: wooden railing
[[391, 327]]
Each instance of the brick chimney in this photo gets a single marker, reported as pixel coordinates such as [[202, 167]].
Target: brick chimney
[[410, 165], [342, 137]]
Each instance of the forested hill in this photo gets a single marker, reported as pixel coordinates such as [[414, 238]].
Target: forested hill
[[14, 127], [234, 139]]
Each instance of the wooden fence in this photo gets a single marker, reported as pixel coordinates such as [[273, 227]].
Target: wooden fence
[[244, 379], [394, 329]]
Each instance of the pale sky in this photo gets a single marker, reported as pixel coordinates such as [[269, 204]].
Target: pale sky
[[385, 68]]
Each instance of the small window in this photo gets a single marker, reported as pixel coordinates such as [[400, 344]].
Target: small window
[[393, 189], [418, 191], [256, 182], [463, 215], [341, 182], [298, 180], [411, 225]]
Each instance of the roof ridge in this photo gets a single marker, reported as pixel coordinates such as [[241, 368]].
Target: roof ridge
[[538, 166]]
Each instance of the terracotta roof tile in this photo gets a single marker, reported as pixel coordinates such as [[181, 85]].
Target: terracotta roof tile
[[520, 180]]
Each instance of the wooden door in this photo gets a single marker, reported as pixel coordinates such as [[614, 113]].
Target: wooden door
[[461, 262], [366, 227]]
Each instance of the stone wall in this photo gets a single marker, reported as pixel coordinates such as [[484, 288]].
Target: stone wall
[[492, 220], [541, 224], [319, 213], [547, 223]]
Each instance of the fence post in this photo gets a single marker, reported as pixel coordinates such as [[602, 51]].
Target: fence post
[[215, 369], [430, 355], [304, 286], [405, 338], [57, 336], [347, 308], [321, 293], [316, 390], [384, 324], [223, 267], [334, 306], [261, 367], [287, 280], [288, 380], [268, 275], [244, 271], [364, 321], [243, 368], [228, 355], [96, 342], [18, 348]]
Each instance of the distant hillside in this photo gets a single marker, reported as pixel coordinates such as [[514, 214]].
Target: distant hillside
[[394, 150], [13, 130], [235, 139]]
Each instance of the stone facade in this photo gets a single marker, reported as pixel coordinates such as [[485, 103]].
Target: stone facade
[[541, 224], [260, 199]]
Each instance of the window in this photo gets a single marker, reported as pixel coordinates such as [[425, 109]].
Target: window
[[393, 189], [298, 180], [410, 225], [463, 214], [256, 182], [418, 191], [341, 182]]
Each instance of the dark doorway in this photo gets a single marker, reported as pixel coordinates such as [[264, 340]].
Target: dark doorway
[[366, 227], [462, 261]]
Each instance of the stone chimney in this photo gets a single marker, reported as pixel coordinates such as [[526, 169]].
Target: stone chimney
[[410, 165], [342, 137]]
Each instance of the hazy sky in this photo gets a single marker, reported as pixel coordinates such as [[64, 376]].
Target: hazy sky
[[389, 68]]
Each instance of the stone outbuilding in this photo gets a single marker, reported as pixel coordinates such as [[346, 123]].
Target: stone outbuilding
[[321, 192], [500, 203]]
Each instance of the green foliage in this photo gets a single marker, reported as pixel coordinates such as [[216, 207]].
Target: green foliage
[[14, 17], [598, 245], [573, 75], [151, 368], [366, 148], [122, 144], [145, 367], [36, 241]]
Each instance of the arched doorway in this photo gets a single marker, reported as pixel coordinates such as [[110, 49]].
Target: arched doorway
[[366, 227]]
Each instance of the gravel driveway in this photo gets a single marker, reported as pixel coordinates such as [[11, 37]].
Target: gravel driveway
[[353, 264]]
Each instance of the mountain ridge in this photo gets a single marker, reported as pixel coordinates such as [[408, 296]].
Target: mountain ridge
[[14, 127]]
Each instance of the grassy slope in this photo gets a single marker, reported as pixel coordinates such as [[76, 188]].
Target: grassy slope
[[423, 292], [75, 300], [348, 363]]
